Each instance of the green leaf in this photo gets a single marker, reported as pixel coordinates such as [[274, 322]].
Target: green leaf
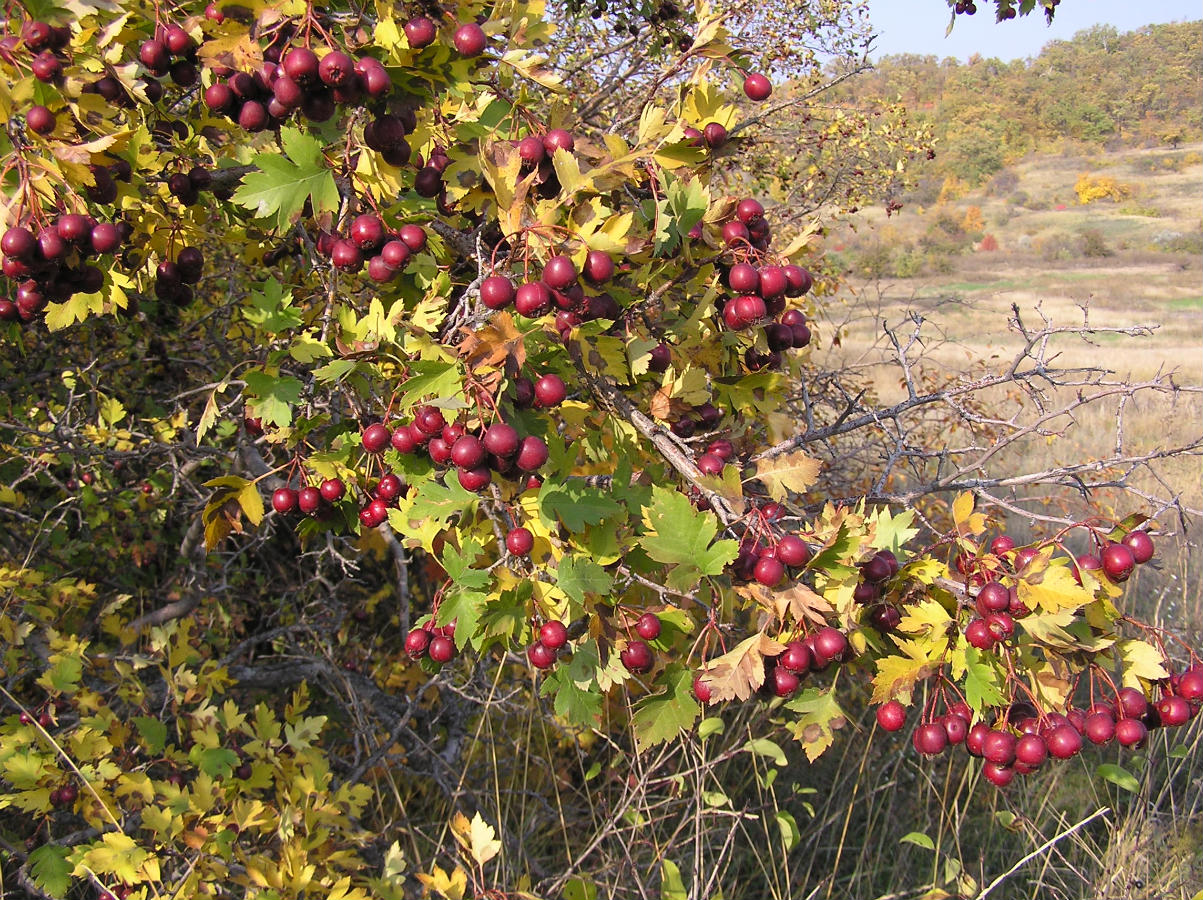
[[579, 575], [820, 717], [460, 564], [982, 681], [464, 607], [50, 870], [711, 725], [335, 371], [430, 378], [790, 835], [671, 885], [153, 732], [1118, 776], [574, 505], [918, 839], [271, 308], [767, 747], [661, 717], [284, 182], [219, 762], [274, 396], [579, 889], [680, 535], [577, 697]]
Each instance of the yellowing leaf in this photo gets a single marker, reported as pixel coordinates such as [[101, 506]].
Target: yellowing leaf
[[789, 472], [739, 673], [967, 521], [450, 887], [476, 837], [1140, 659], [1052, 590]]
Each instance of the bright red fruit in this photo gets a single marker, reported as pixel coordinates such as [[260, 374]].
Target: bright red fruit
[[540, 655], [1118, 562], [1140, 544], [333, 489], [375, 438], [930, 739], [1064, 741], [637, 657], [891, 715], [757, 87], [648, 626], [796, 657], [553, 634], [284, 500], [519, 541], [785, 682], [550, 391], [441, 649], [470, 39]]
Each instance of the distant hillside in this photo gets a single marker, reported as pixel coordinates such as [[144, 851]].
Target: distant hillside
[[1101, 89]]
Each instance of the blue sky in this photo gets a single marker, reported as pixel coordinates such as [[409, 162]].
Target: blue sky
[[917, 26]]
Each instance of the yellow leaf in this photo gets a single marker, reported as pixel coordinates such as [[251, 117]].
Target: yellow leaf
[[927, 617], [1052, 590], [739, 673], [451, 887], [477, 837], [966, 520], [896, 675], [789, 472], [251, 502], [1140, 660]]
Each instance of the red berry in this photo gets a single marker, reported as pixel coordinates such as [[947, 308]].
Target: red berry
[[637, 657], [470, 39], [891, 715], [999, 747], [1099, 727], [1133, 703], [757, 87], [701, 689], [1002, 544], [309, 500], [1190, 686], [956, 727], [1174, 710], [416, 643], [467, 452], [1131, 732], [1140, 544], [540, 655], [793, 551], [1118, 562], [785, 682], [1063, 741], [993, 598], [769, 571], [998, 775], [648, 626], [553, 634], [979, 635], [550, 391], [829, 645], [796, 657], [532, 454], [40, 120], [930, 739], [284, 500], [333, 490], [558, 139], [375, 438], [420, 32], [519, 541], [496, 292], [441, 649]]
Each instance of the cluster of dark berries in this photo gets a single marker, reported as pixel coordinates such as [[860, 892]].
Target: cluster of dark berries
[[559, 287], [767, 561], [435, 643], [637, 657], [553, 635], [300, 81], [386, 253], [315, 502], [174, 279], [51, 266], [172, 51], [1020, 741]]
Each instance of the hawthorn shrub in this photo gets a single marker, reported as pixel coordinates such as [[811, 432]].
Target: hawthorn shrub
[[385, 405]]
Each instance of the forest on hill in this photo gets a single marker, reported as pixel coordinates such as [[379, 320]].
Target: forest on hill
[[1103, 89]]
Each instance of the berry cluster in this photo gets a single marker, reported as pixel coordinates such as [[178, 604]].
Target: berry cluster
[[434, 643], [52, 265], [386, 253]]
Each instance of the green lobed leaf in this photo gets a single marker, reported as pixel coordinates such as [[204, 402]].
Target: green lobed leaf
[[661, 717], [579, 575], [279, 190], [153, 732], [982, 680], [820, 716], [50, 869], [460, 564], [574, 505], [273, 396], [574, 685], [680, 535]]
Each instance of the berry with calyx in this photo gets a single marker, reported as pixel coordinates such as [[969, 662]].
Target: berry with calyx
[[388, 488], [416, 643], [797, 657], [956, 727], [1099, 727], [496, 292], [715, 135], [532, 454], [1118, 562], [998, 775], [829, 645], [532, 299], [1131, 732], [309, 500], [769, 571], [1063, 742], [993, 598], [648, 626], [637, 657], [40, 120], [785, 682], [979, 635]]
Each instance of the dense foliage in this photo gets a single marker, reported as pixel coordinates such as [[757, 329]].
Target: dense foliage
[[364, 373]]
